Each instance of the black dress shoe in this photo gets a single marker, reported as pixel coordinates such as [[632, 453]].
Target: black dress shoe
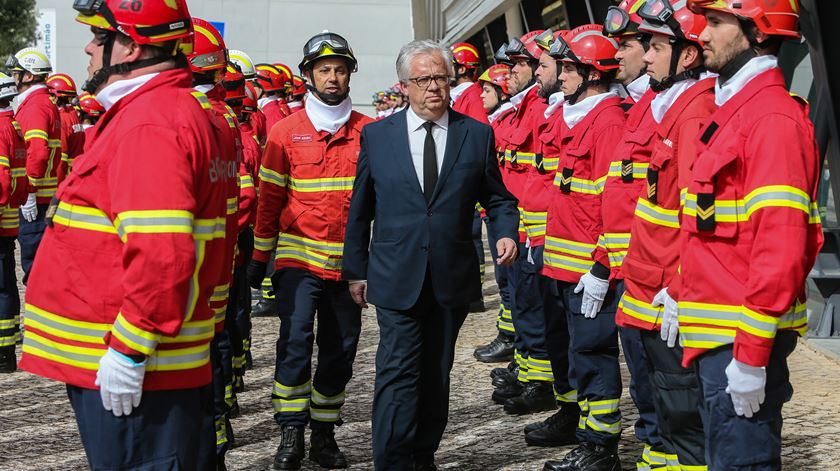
[[265, 308], [8, 364], [537, 396], [290, 452], [498, 350], [508, 391], [425, 464], [558, 429], [477, 306], [324, 450], [588, 457]]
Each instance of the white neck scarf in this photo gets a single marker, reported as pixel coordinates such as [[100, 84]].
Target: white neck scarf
[[110, 95], [755, 67], [517, 99], [203, 88], [638, 87], [502, 109], [16, 101], [265, 100], [664, 100], [573, 114], [325, 117], [555, 101], [457, 91]]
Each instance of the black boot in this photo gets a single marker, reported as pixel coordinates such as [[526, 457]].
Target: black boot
[[537, 396], [265, 308], [502, 394], [324, 450], [502, 376], [498, 350], [8, 364], [290, 452], [588, 457], [249, 360], [557, 430]]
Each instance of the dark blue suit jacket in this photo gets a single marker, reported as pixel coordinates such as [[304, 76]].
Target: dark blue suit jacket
[[410, 234]]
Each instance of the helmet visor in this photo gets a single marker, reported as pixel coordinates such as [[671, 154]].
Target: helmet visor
[[211, 60], [501, 54], [87, 7], [616, 22], [545, 39], [12, 64], [661, 13], [561, 50], [516, 48], [316, 46]]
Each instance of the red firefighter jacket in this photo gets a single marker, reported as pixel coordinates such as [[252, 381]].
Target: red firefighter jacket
[[539, 184], [654, 252], [258, 124], [752, 224], [38, 118], [133, 255], [72, 139], [306, 179], [284, 108], [574, 216], [471, 104], [251, 156], [625, 181], [13, 183], [273, 115]]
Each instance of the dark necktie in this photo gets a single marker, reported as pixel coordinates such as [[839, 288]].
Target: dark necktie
[[430, 169]]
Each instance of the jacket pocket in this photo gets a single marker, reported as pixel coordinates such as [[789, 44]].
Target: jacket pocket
[[712, 205]]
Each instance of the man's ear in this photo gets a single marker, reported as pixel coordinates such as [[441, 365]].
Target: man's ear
[[594, 74], [132, 51]]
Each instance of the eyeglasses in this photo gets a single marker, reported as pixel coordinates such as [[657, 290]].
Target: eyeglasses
[[426, 80], [616, 22]]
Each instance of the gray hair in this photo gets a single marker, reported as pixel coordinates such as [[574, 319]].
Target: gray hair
[[421, 47]]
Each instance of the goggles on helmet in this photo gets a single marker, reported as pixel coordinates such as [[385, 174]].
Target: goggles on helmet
[[545, 39], [501, 54], [516, 48], [12, 64], [203, 61], [316, 46], [616, 22], [561, 50], [87, 7], [661, 12]]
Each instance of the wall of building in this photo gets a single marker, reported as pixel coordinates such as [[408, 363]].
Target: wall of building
[[275, 31]]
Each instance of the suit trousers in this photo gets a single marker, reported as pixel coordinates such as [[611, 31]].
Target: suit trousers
[[170, 430], [9, 295], [529, 316], [29, 237], [675, 395], [733, 442], [297, 396], [413, 362]]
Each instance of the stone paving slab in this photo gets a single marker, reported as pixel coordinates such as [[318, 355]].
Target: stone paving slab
[[39, 431]]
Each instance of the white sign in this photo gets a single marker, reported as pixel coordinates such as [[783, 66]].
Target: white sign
[[47, 37]]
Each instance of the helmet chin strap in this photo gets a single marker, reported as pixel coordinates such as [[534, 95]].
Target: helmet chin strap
[[737, 63], [332, 99], [673, 77], [584, 85], [102, 75]]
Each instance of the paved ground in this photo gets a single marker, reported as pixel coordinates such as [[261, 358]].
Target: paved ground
[[39, 432]]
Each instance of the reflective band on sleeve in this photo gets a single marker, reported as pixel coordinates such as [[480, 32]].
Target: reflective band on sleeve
[[268, 175], [209, 229], [36, 134], [81, 217], [640, 309], [136, 338], [265, 245], [657, 215], [172, 221], [245, 181], [4, 161], [311, 185], [777, 196]]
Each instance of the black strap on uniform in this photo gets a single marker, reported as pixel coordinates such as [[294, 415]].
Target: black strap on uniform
[[705, 212], [566, 180], [652, 184]]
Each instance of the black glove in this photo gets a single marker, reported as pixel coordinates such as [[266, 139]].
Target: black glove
[[256, 273]]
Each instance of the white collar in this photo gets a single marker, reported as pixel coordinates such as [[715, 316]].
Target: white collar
[[573, 114], [458, 90], [87, 126], [555, 101], [502, 109], [755, 67], [6, 109], [638, 87], [664, 100], [414, 122], [265, 100], [16, 101], [203, 88], [110, 95], [516, 100], [295, 104], [325, 117]]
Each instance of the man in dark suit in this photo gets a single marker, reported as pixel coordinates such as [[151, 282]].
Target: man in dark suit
[[419, 175]]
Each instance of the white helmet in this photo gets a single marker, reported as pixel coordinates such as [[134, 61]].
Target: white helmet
[[30, 60], [244, 62], [8, 89]]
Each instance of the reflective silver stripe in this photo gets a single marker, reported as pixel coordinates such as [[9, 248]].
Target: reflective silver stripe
[[264, 245], [603, 407], [639, 169], [564, 246], [595, 424], [320, 399], [563, 262], [800, 200], [81, 218], [47, 323], [691, 336], [663, 217], [308, 257], [269, 175], [321, 184], [205, 229], [87, 361], [122, 331], [325, 415], [286, 240], [163, 360], [291, 391]]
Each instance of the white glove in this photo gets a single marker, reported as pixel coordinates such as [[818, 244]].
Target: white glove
[[120, 382], [594, 291], [746, 386], [30, 208], [670, 325]]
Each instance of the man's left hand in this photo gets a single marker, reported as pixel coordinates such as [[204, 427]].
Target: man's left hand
[[506, 248]]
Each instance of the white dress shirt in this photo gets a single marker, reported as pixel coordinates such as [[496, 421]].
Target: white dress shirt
[[417, 140]]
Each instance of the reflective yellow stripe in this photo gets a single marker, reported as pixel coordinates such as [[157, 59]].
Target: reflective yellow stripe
[[639, 170], [46, 181], [133, 336], [329, 248], [550, 164], [4, 161], [599, 426], [154, 222], [607, 406], [265, 245], [311, 185], [82, 217], [657, 215], [282, 390], [209, 229], [245, 181], [323, 400], [232, 205], [569, 246], [36, 134], [721, 321], [640, 309], [54, 143], [325, 415], [18, 172], [220, 293], [579, 185], [268, 175], [571, 264], [771, 196], [202, 100]]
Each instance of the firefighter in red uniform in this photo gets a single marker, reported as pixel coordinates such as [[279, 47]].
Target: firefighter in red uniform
[[466, 92], [753, 233], [288, 87], [13, 192], [143, 215], [683, 102], [208, 63], [530, 390], [271, 83], [622, 24], [90, 111], [306, 179], [63, 89], [41, 125], [591, 129], [296, 97], [246, 66], [495, 96]]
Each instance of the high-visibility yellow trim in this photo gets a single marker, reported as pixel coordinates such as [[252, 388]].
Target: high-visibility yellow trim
[[133, 336], [657, 215], [265, 245], [164, 221], [269, 175], [312, 185], [36, 134]]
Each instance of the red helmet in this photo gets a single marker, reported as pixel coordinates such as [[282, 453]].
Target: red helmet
[[234, 83], [776, 18], [90, 106], [249, 103], [287, 73], [299, 86], [586, 45], [679, 22], [269, 78], [61, 85], [149, 22], [465, 54], [497, 74], [209, 51], [624, 19], [524, 47]]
